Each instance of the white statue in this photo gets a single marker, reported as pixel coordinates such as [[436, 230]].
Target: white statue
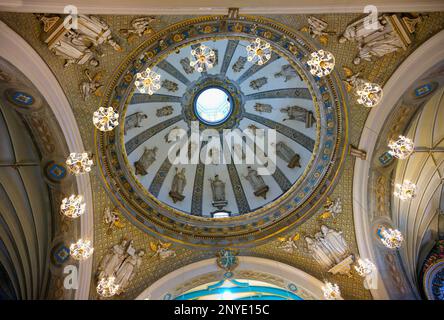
[[319, 253], [178, 185], [360, 29], [73, 50], [336, 242], [128, 269], [112, 260], [134, 121], [162, 250], [146, 160], [92, 86], [289, 244], [139, 27], [257, 183], [96, 31], [316, 27], [112, 220], [379, 47], [218, 190]]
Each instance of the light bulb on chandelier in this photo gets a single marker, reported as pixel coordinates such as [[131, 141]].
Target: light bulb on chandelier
[[401, 148], [147, 81], [203, 58], [105, 119], [331, 291], [405, 191], [81, 250], [73, 207], [365, 267], [321, 63], [106, 287], [391, 238], [258, 51], [79, 163], [369, 94]]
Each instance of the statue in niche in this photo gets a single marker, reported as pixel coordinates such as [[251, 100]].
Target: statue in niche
[[112, 220], [299, 114], [139, 27], [92, 85], [185, 63], [218, 190], [178, 185], [133, 121], [258, 83], [287, 72], [161, 250], [239, 65], [164, 111], [127, 270], [287, 154], [146, 160], [263, 107], [171, 86], [112, 260], [288, 244], [316, 29], [257, 183]]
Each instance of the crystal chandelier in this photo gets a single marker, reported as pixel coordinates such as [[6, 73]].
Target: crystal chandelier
[[81, 250], [364, 267], [204, 58], [73, 207], [331, 291], [105, 119], [391, 238], [147, 81], [106, 287], [405, 191], [401, 148], [321, 63], [79, 163], [258, 51], [369, 94]]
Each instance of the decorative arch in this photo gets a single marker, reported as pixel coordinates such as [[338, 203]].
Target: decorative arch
[[173, 284], [19, 53]]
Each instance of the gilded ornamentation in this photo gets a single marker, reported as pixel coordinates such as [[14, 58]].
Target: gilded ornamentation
[[161, 250], [92, 85]]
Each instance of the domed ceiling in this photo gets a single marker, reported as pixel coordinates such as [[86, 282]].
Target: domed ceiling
[[170, 190]]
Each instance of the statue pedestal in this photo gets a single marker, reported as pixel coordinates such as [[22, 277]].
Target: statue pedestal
[[176, 196], [343, 267], [294, 162], [262, 192], [219, 204]]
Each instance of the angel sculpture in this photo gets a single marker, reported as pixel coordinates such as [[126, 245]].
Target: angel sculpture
[[112, 220], [316, 28], [288, 244], [139, 27], [92, 85], [331, 209], [162, 250]]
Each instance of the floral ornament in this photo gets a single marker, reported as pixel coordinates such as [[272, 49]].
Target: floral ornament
[[105, 119], [258, 51], [147, 81], [321, 63]]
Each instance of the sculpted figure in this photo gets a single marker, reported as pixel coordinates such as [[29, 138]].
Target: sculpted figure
[[357, 31], [164, 111], [112, 260], [162, 250], [218, 190], [185, 63], [299, 114], [287, 154], [96, 31], [139, 27], [262, 107], [239, 65], [257, 183], [146, 160], [287, 72], [336, 241], [178, 185], [128, 269], [92, 86], [258, 83], [134, 120], [170, 85], [319, 253]]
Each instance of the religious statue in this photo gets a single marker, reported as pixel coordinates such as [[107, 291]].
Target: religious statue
[[319, 253], [178, 185], [96, 31], [73, 50], [258, 83], [133, 121], [112, 220], [335, 242], [173, 133], [146, 160], [170, 85], [218, 190], [263, 107], [239, 65], [112, 260], [139, 27], [332, 209], [288, 244], [127, 270], [299, 114], [316, 29], [257, 183], [92, 86], [287, 154], [239, 152], [358, 31], [161, 250], [255, 130], [164, 111], [287, 72], [185, 63]]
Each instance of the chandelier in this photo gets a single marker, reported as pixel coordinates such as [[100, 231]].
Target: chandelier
[[391, 238], [258, 51], [369, 94], [147, 81], [204, 58], [321, 63], [73, 207], [105, 119], [106, 287], [405, 191], [365, 267], [401, 148], [81, 250], [79, 163], [331, 291]]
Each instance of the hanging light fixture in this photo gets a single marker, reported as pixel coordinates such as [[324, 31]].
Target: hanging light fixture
[[365, 267], [204, 58], [369, 94], [405, 191], [106, 287], [391, 238], [79, 163], [258, 51], [401, 148], [147, 81], [73, 207], [321, 63], [105, 119], [81, 250], [331, 291]]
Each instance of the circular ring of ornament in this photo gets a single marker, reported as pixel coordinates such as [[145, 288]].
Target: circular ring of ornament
[[291, 208]]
